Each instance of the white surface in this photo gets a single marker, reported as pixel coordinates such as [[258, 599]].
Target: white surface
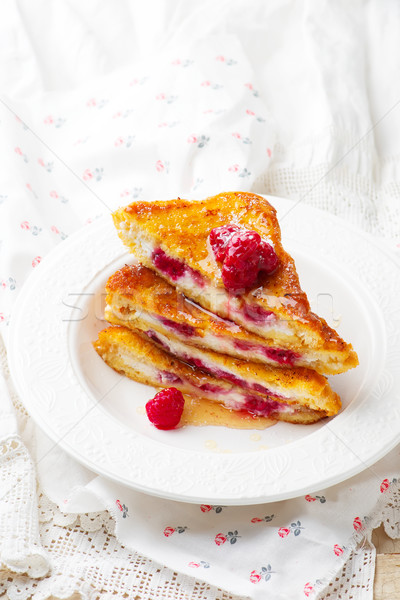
[[96, 415]]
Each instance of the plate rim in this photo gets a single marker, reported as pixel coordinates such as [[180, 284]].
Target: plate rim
[[284, 493]]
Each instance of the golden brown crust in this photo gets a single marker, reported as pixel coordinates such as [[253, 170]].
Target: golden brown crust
[[181, 228], [319, 396], [137, 288]]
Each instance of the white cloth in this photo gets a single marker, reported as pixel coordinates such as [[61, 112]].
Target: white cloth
[[159, 99]]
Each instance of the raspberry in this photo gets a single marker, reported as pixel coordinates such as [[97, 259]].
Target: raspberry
[[269, 259], [242, 261], [219, 238], [165, 409], [246, 255]]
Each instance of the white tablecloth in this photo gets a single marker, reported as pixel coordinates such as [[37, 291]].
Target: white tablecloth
[[104, 103]]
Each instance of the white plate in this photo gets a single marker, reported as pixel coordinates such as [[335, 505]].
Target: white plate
[[97, 415]]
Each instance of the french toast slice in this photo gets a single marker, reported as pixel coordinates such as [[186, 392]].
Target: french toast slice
[[172, 238], [139, 298], [130, 353]]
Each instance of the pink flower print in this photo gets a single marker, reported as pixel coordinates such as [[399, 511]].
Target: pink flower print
[[34, 229], [236, 135], [208, 507], [18, 151], [132, 193], [46, 165], [220, 539], [269, 152], [250, 112], [337, 550], [55, 230], [192, 139], [29, 187], [220, 58], [91, 102], [384, 485], [168, 531], [56, 196], [162, 166], [122, 508], [161, 96], [127, 142], [205, 83], [234, 168], [183, 63], [357, 524], [264, 573], [36, 261], [231, 536], [48, 120], [308, 589], [266, 519], [283, 532], [309, 498], [201, 140], [97, 174], [255, 577], [197, 565], [295, 527], [10, 283]]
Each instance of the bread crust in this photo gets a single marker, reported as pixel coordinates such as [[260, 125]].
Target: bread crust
[[181, 228], [116, 341], [135, 289]]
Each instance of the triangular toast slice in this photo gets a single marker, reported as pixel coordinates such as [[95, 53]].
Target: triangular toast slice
[[172, 238], [139, 298], [130, 353]]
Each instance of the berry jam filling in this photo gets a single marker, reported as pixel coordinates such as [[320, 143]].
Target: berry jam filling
[[174, 268], [257, 314], [259, 406], [221, 374], [167, 377], [154, 338], [182, 328], [283, 357], [213, 389]]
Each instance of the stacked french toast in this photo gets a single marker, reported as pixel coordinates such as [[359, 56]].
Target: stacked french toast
[[212, 306]]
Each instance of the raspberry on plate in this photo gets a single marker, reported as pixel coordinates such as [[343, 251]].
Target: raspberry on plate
[[246, 255], [219, 238], [166, 408]]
